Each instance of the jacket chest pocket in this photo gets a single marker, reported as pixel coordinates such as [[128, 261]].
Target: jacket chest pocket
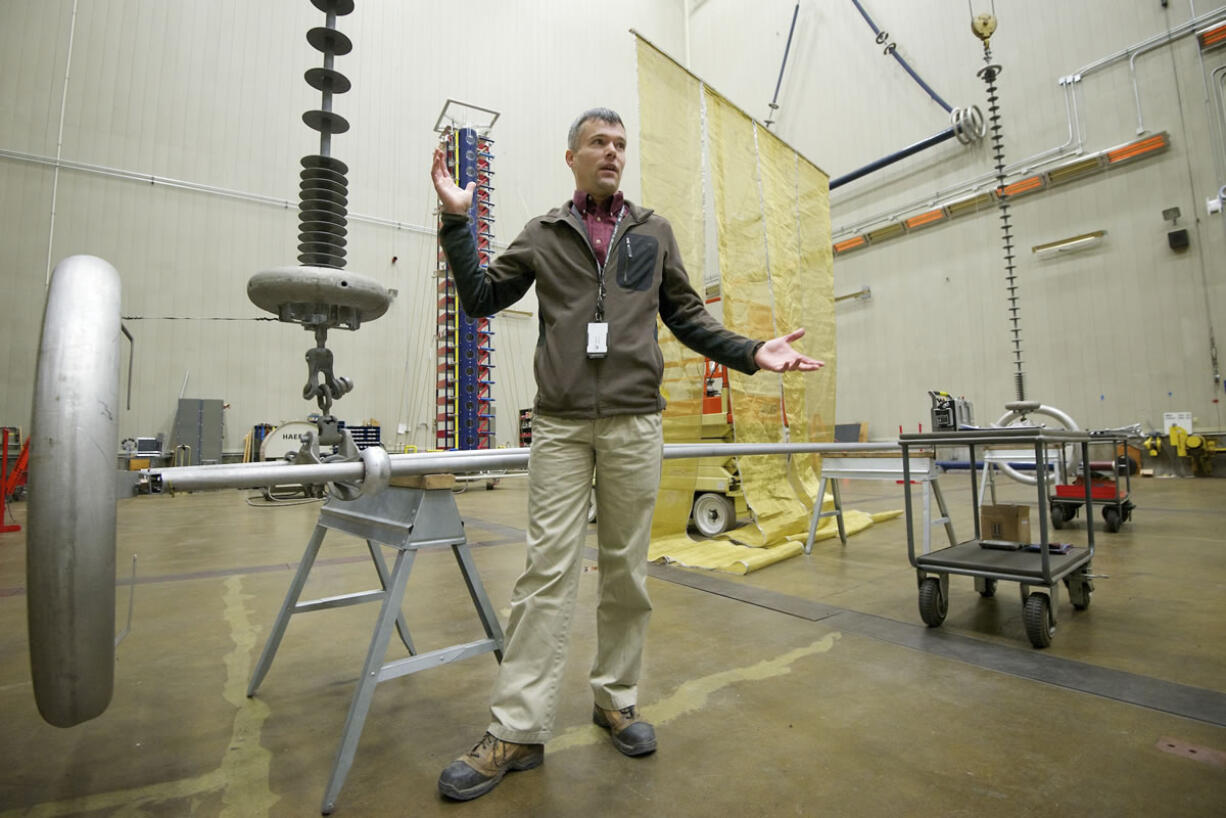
[[637, 262]]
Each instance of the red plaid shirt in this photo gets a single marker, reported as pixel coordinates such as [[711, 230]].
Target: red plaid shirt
[[599, 219]]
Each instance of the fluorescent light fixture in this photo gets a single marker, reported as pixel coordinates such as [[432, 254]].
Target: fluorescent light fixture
[[1072, 244], [862, 294]]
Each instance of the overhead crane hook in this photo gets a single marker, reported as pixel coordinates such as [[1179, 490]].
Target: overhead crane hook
[[983, 25]]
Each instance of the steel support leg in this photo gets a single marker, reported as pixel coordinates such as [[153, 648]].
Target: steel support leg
[[927, 517], [838, 510], [489, 620], [287, 609], [949, 523], [389, 612], [818, 514], [402, 627]]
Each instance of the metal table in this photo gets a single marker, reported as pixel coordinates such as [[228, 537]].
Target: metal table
[[1032, 565]]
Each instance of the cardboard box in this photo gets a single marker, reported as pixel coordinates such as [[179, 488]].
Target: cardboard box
[[1005, 522]]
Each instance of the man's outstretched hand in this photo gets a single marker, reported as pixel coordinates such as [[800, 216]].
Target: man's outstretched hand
[[453, 198], [777, 355]]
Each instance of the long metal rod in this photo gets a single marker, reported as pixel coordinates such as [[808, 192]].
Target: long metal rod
[[923, 144], [774, 103], [258, 475]]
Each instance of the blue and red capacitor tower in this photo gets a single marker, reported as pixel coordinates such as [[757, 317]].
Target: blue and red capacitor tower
[[465, 398]]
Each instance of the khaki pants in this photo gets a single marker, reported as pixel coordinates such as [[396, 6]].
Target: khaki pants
[[625, 452]]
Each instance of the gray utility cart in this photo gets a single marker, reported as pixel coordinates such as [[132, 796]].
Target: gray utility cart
[[1039, 567]]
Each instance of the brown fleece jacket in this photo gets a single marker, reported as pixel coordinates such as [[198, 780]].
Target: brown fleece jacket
[[644, 277]]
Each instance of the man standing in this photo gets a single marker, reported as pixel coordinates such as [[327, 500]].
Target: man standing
[[604, 268]]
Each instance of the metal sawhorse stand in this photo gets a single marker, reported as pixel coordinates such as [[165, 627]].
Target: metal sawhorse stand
[[924, 470], [818, 514], [405, 519], [995, 460]]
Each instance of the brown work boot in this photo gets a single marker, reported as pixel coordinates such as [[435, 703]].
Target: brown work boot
[[630, 734], [480, 769]]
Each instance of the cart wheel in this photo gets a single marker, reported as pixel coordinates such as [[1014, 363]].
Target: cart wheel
[[1036, 615], [1111, 515], [932, 604], [1057, 516], [1079, 591], [713, 513], [986, 587]]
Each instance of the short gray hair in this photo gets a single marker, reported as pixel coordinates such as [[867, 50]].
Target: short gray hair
[[603, 114]]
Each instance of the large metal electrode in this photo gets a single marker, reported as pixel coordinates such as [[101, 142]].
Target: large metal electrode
[[319, 294]]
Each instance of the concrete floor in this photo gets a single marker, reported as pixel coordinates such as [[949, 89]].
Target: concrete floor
[[808, 688]]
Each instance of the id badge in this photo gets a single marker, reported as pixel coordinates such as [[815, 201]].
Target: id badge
[[597, 339]]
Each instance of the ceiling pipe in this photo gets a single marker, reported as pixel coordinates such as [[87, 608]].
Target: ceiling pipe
[[774, 106], [923, 144], [893, 52]]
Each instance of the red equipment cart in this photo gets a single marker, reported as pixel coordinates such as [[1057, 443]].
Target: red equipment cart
[[1106, 490]]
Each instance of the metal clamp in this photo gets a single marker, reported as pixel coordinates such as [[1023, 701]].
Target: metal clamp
[[319, 365]]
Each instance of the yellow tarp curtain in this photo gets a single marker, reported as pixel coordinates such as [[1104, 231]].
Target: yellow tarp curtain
[[670, 113], [771, 210], [732, 558]]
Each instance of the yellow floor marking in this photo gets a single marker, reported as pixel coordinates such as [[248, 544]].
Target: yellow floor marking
[[246, 766], [243, 775], [693, 695]]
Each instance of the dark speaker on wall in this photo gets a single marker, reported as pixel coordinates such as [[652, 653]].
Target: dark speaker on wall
[[1178, 239]]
